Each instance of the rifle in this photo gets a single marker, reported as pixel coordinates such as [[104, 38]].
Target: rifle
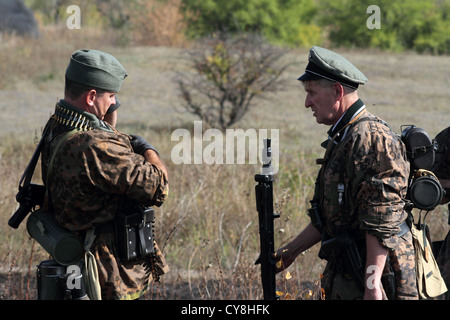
[[30, 195], [264, 206]]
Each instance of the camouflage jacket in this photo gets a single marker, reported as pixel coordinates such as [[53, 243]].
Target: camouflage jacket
[[362, 183], [94, 171]]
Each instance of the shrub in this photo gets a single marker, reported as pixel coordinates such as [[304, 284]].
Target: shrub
[[229, 73], [420, 25]]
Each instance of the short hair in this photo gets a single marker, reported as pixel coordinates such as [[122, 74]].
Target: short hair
[[328, 83], [74, 90]]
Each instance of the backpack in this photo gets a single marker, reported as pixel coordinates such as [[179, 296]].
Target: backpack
[[425, 193]]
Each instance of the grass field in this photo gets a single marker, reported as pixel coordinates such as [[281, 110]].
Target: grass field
[[208, 227]]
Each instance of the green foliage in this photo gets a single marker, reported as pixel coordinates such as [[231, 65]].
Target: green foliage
[[280, 21], [437, 38], [420, 25]]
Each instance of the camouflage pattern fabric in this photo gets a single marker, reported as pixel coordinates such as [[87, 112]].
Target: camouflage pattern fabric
[[370, 161], [442, 172], [404, 267], [94, 171], [119, 279]]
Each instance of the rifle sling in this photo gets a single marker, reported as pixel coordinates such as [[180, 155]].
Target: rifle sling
[[29, 171]]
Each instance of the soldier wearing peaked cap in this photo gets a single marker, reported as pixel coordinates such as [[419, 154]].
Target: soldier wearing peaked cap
[[357, 212], [97, 177]]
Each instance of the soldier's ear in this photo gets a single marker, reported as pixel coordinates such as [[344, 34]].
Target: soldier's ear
[[338, 90], [90, 97]]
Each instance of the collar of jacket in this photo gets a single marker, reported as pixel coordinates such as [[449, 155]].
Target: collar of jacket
[[351, 113]]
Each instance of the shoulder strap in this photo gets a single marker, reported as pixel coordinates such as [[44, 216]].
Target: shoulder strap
[[47, 202], [55, 151]]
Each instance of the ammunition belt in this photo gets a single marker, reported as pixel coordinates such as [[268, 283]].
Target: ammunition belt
[[72, 119]]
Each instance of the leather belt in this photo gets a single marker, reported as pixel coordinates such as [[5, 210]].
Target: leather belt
[[404, 228]]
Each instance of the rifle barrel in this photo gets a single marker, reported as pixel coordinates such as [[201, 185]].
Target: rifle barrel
[[264, 206]]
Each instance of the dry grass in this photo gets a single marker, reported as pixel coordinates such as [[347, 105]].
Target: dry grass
[[160, 23], [208, 226]]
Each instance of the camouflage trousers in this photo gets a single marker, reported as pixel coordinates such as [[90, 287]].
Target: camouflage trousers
[[342, 286]]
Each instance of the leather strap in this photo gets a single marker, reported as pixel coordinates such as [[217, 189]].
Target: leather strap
[[404, 228]]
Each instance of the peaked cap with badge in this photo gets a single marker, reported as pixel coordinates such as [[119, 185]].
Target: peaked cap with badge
[[97, 69], [326, 64]]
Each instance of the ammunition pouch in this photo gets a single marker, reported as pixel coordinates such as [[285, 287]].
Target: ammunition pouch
[[344, 250], [134, 232]]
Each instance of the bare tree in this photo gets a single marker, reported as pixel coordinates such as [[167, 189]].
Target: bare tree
[[229, 72]]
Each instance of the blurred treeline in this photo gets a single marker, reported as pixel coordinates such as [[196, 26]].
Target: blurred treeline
[[419, 25]]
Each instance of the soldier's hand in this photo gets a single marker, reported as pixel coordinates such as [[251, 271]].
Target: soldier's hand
[[139, 144], [283, 258], [153, 157]]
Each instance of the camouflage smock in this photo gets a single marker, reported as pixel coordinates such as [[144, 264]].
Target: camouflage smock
[[369, 160], [94, 171]]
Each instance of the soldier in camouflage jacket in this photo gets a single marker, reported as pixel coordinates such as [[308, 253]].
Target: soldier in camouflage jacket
[[359, 190], [97, 169]]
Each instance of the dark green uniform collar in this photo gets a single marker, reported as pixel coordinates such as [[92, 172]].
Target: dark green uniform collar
[[351, 112], [346, 118]]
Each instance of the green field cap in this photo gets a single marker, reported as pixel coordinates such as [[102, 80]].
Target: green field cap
[[97, 69], [329, 65]]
